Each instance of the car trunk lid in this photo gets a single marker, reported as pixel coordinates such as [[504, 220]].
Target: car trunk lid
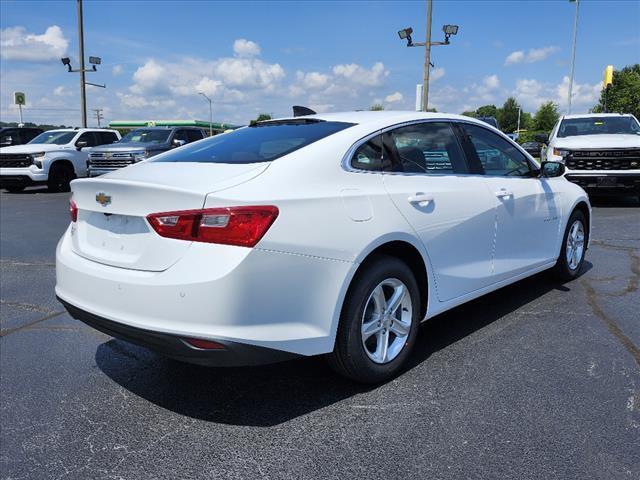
[[112, 228]]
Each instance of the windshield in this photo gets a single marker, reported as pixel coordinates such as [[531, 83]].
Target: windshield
[[262, 142], [146, 136], [572, 127], [54, 138]]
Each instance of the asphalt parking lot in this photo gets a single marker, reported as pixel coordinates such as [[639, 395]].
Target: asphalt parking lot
[[535, 381]]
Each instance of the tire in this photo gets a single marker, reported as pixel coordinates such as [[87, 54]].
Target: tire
[[60, 176], [569, 266], [14, 189], [361, 360]]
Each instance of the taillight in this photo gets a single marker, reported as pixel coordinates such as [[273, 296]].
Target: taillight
[[241, 226], [73, 211]]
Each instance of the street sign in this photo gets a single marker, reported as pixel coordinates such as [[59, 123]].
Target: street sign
[[19, 98]]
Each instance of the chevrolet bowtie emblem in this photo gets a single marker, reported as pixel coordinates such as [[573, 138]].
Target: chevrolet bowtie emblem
[[103, 199]]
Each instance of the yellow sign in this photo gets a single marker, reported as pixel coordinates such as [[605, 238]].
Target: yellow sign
[[608, 75]]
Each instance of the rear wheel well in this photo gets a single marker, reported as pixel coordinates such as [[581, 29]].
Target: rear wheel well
[[408, 254]]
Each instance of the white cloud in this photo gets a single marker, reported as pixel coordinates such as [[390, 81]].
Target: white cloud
[[117, 70], [208, 86], [533, 55], [531, 94], [246, 48], [491, 82], [436, 74], [312, 80], [148, 76], [394, 97], [61, 91], [375, 76], [17, 44]]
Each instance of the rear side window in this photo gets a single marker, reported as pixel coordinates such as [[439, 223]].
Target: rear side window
[[429, 148], [263, 142], [194, 135], [107, 138], [372, 157]]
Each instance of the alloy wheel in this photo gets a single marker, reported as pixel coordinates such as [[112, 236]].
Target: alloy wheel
[[386, 321]]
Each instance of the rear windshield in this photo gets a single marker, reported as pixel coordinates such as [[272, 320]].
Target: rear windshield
[[572, 127], [258, 143]]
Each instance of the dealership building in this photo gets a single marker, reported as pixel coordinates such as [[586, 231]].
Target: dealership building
[[133, 124]]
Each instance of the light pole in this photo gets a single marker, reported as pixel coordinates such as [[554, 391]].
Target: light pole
[[210, 113], [92, 60], [405, 34], [573, 54]]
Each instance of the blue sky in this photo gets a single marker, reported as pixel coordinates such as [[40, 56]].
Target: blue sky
[[254, 57]]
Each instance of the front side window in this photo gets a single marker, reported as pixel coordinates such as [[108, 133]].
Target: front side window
[[149, 136], [430, 148], [107, 138], [262, 142], [571, 127], [497, 156], [88, 137], [54, 137]]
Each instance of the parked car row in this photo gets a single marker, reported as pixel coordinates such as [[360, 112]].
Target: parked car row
[[56, 157]]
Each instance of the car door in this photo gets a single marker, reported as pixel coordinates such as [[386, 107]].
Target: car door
[[445, 202], [528, 215], [80, 156]]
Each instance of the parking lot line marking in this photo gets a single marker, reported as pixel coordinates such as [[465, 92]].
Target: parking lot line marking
[[9, 331]]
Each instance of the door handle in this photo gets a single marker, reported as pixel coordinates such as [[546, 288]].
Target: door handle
[[420, 199], [504, 193]]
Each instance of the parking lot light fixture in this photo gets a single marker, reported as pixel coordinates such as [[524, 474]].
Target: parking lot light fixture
[[405, 33], [210, 113]]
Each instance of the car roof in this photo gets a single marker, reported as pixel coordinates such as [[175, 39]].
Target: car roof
[[382, 118], [591, 115]]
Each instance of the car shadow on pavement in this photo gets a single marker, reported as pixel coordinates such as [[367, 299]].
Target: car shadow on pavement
[[273, 394]]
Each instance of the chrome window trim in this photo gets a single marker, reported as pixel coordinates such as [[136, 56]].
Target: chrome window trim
[[346, 159]]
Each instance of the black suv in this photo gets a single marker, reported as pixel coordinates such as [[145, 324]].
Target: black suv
[[138, 145], [18, 135]]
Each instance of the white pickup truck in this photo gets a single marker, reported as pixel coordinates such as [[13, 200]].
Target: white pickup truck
[[601, 152], [53, 158]]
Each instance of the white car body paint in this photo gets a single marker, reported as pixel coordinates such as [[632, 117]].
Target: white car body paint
[[287, 292]]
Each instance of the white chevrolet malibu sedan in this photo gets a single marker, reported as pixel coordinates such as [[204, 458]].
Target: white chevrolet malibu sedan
[[332, 234]]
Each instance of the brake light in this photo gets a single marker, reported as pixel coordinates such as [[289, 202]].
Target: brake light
[[73, 211], [204, 344], [240, 226]]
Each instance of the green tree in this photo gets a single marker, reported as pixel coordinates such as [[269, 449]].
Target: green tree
[[376, 107], [546, 116], [623, 96], [508, 115], [262, 117], [470, 113], [526, 121], [487, 111]]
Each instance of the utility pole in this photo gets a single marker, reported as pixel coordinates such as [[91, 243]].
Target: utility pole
[[99, 116], [210, 113], [83, 87], [573, 54], [427, 59], [518, 129]]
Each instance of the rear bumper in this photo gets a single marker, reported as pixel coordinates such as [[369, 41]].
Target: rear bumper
[[233, 355], [255, 297], [607, 183]]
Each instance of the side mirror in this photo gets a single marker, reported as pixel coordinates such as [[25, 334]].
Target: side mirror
[[542, 138], [81, 144], [178, 143], [6, 141], [552, 169]]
